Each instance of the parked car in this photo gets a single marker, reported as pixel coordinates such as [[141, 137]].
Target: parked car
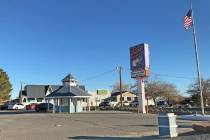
[[162, 103], [186, 106], [113, 103], [125, 103], [16, 106], [104, 105], [5, 106], [43, 107], [31, 106], [134, 104]]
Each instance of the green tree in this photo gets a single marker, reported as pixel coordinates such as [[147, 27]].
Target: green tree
[[194, 91], [5, 86]]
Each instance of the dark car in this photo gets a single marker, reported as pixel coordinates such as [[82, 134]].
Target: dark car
[[104, 105], [31, 106], [134, 104], [43, 107], [162, 103], [5, 106]]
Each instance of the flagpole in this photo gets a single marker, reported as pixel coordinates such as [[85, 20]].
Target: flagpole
[[197, 64]]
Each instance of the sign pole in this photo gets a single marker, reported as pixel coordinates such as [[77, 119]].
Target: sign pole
[[139, 61], [141, 95]]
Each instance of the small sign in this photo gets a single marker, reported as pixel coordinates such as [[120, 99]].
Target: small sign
[[142, 73], [102, 92]]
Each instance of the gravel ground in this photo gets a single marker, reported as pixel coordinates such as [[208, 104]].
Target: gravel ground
[[93, 125]]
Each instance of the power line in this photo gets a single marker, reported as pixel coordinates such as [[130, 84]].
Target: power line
[[98, 75], [173, 76], [153, 74]]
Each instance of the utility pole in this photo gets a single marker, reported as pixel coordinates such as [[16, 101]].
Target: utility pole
[[120, 81], [21, 92]]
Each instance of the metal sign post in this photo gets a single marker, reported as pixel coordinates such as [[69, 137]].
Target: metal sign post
[[139, 62]]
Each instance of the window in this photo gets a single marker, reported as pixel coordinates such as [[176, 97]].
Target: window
[[114, 99], [39, 99], [31, 99], [24, 100], [83, 100], [128, 98]]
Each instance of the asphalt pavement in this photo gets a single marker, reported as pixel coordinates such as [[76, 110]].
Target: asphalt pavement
[[22, 125]]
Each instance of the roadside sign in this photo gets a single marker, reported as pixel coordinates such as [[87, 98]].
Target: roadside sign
[[139, 61]]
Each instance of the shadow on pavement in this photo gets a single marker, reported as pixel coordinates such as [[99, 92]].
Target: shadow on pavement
[[138, 125], [184, 126], [15, 112], [112, 138], [185, 136], [107, 112]]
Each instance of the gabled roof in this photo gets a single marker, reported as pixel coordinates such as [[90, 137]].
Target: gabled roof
[[55, 87], [68, 78], [118, 93], [35, 91], [69, 91], [82, 87]]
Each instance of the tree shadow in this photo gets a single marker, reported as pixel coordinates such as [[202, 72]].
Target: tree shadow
[[113, 138], [106, 112], [194, 133], [138, 125], [184, 126], [184, 136]]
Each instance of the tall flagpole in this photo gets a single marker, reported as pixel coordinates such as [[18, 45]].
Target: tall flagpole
[[197, 64]]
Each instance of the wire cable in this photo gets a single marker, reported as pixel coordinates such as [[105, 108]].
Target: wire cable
[[98, 75]]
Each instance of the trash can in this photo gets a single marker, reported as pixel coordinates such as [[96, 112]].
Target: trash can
[[167, 125]]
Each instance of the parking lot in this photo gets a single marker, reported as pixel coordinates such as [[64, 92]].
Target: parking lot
[[20, 125]]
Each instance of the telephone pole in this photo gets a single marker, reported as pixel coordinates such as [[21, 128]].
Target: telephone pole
[[21, 93], [120, 81]]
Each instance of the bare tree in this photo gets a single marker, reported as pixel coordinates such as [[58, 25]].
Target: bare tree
[[116, 87], [157, 89]]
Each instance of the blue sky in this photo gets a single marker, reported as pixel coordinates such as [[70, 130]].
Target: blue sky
[[42, 41]]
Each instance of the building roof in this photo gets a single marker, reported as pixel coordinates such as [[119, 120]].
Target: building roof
[[118, 93], [55, 87], [82, 87], [68, 90], [35, 91], [68, 78]]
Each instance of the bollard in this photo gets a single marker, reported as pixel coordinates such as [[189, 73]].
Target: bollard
[[167, 125]]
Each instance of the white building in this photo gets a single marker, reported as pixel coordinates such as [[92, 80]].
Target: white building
[[98, 96]]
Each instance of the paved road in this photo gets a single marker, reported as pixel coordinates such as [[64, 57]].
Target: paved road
[[94, 125]]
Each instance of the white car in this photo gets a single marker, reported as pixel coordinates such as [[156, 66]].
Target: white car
[[113, 103], [16, 106]]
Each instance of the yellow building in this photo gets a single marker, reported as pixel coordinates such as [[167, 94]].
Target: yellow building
[[127, 97]]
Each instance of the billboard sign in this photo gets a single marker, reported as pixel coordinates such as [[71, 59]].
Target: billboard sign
[[139, 61]]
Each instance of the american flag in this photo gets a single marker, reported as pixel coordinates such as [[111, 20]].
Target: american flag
[[188, 21]]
